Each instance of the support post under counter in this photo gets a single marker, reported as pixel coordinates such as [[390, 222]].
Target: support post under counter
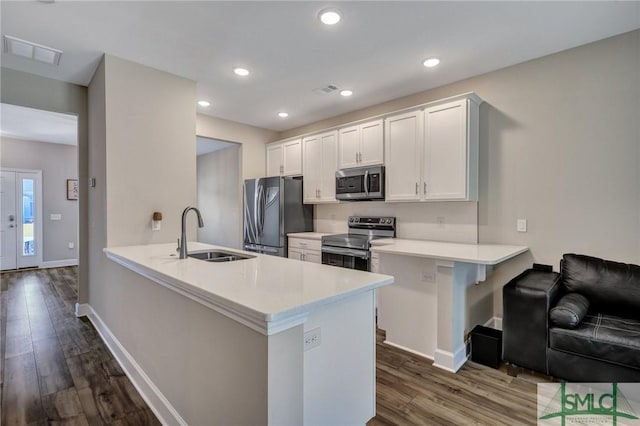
[[456, 267]]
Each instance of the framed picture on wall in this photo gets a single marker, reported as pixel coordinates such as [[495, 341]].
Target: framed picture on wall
[[72, 189]]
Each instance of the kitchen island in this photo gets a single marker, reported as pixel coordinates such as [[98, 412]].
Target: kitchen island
[[265, 340]]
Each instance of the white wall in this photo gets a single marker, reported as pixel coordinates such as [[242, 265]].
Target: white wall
[[58, 163], [414, 220], [558, 146], [251, 138], [220, 197], [28, 90]]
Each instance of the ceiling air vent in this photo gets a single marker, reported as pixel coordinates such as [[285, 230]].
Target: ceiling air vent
[[29, 50], [325, 90]]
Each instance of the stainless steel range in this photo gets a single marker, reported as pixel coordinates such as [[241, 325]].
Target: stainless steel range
[[352, 250]]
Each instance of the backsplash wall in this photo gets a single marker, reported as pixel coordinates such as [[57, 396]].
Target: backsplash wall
[[441, 221]]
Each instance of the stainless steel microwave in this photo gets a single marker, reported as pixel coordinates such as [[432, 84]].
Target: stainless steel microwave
[[360, 183]]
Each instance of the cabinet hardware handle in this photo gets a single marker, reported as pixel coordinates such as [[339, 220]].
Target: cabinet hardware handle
[[425, 188], [416, 188], [356, 157], [360, 156]]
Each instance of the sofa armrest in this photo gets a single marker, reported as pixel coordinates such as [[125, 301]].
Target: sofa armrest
[[526, 302]]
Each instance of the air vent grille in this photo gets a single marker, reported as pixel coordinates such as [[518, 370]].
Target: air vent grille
[[29, 50], [325, 90]]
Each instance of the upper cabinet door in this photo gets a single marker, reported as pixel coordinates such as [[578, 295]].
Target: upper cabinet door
[[274, 160], [292, 157], [451, 151], [312, 164], [284, 158], [349, 147], [445, 153], [371, 143], [403, 146], [329, 142], [361, 145]]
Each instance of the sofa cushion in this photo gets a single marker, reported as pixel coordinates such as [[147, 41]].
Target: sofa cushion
[[570, 310], [611, 287], [603, 337]]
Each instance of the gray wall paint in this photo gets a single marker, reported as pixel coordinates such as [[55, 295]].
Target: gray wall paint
[[220, 197], [58, 163], [28, 90]]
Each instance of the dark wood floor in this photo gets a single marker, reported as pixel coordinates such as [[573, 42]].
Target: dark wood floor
[[410, 391], [56, 370]]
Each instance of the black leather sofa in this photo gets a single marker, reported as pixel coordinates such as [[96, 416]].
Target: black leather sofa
[[581, 325]]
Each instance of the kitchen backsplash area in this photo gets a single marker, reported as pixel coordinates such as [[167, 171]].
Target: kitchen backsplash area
[[442, 221]]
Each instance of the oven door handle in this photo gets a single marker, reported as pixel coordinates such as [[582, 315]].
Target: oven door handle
[[362, 254]]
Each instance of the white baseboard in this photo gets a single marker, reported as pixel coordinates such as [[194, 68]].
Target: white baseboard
[[161, 407], [420, 354], [495, 322], [450, 361], [82, 310], [58, 263]]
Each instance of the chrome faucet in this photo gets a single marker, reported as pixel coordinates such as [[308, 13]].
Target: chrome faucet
[[182, 247]]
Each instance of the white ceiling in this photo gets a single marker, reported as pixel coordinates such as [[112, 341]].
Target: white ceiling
[[208, 145], [37, 125], [376, 50]]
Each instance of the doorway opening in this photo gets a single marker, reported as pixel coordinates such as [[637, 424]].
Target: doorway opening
[[219, 186], [39, 201]]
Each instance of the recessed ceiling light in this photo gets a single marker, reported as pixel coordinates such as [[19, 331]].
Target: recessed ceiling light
[[346, 92], [242, 72], [283, 114], [329, 16], [204, 103], [431, 62]]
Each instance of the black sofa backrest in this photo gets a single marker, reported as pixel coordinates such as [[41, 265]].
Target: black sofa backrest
[[611, 287]]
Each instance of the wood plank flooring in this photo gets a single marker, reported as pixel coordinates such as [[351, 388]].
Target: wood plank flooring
[[54, 369]]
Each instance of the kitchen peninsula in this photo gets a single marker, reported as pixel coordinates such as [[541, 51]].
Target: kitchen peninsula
[[436, 306], [265, 340]]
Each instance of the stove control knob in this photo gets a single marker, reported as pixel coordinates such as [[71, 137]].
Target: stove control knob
[[356, 219], [350, 219]]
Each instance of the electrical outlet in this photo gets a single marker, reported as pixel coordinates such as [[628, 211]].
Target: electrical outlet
[[312, 339], [428, 277], [440, 221], [521, 225]]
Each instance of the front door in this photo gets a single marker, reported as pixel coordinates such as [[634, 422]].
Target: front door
[[19, 246], [8, 228]]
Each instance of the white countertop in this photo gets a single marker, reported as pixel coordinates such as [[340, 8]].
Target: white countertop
[[308, 235], [266, 293], [482, 254]]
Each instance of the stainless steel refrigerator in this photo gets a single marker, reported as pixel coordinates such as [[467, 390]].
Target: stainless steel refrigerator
[[273, 208]]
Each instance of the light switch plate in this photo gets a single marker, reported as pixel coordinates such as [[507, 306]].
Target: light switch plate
[[521, 225], [56, 216]]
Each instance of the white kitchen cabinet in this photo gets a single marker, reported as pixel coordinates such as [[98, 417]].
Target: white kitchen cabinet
[[305, 250], [361, 145], [404, 138], [432, 155], [320, 162], [284, 158]]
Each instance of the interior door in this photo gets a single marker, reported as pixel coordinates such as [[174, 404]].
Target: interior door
[[8, 222]]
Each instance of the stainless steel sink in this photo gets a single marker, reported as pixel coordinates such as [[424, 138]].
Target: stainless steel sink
[[219, 256]]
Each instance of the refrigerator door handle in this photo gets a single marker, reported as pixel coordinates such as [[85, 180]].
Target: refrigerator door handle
[[249, 229]]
